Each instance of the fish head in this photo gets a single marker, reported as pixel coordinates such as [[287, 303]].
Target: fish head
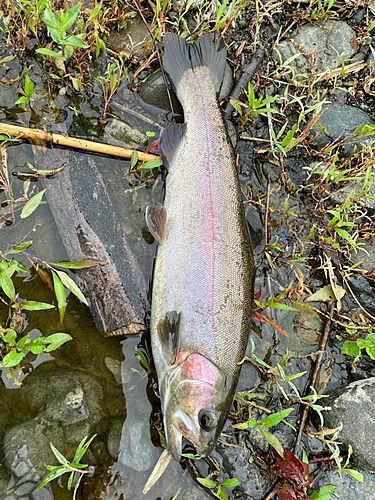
[[194, 400]]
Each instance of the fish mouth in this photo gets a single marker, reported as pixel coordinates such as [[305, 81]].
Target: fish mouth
[[183, 428]]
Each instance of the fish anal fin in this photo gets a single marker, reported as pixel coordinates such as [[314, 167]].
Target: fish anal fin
[[156, 217], [168, 332]]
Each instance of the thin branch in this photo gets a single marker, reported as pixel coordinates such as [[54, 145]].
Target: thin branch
[[247, 75], [33, 134], [314, 375]]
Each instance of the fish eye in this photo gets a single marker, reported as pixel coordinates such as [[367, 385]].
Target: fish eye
[[207, 420]]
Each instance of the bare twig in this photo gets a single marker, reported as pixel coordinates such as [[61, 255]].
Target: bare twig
[[33, 134], [247, 75], [314, 376]]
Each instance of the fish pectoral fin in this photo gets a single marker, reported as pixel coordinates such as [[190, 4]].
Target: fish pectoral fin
[[168, 331], [170, 139], [156, 217]]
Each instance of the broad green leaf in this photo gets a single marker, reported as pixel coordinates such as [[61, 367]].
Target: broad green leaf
[[324, 493], [370, 349], [13, 358], [10, 337], [49, 53], [134, 159], [54, 473], [325, 294], [276, 418], [22, 341], [22, 246], [207, 483], [351, 348], [29, 87], [7, 285], [72, 286], [77, 42], [36, 346], [358, 476], [221, 493], [22, 100], [151, 164], [71, 17], [237, 106], [56, 340], [60, 295], [32, 204], [273, 441], [60, 457], [81, 264], [249, 424], [230, 483], [32, 305]]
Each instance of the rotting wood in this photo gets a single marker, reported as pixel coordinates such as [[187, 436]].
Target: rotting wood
[[88, 228], [33, 134]]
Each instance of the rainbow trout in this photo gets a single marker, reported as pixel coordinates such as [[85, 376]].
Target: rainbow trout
[[204, 270]]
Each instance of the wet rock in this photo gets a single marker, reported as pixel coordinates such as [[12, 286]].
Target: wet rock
[[114, 437], [131, 38], [353, 406], [135, 446], [114, 366], [154, 91], [121, 133], [366, 256], [254, 481], [305, 336], [363, 291], [65, 397], [347, 488], [339, 122], [320, 46]]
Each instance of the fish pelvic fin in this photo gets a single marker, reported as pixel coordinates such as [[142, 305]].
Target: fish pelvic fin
[[180, 56]]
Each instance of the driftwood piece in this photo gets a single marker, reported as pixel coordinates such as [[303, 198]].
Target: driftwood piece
[[32, 134], [88, 227]]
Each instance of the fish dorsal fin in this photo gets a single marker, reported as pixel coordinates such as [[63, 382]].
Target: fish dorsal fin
[[170, 139], [180, 56], [168, 331], [156, 217]]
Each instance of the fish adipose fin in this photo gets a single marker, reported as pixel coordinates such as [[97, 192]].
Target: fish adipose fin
[[170, 139], [180, 56], [156, 217], [168, 331]]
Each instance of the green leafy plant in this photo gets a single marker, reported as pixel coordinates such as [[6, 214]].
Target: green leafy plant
[[27, 91], [72, 467], [255, 105], [220, 492], [266, 423], [324, 493], [354, 347], [59, 25], [17, 349]]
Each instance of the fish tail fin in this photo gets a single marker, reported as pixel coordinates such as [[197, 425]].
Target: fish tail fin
[[180, 56]]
